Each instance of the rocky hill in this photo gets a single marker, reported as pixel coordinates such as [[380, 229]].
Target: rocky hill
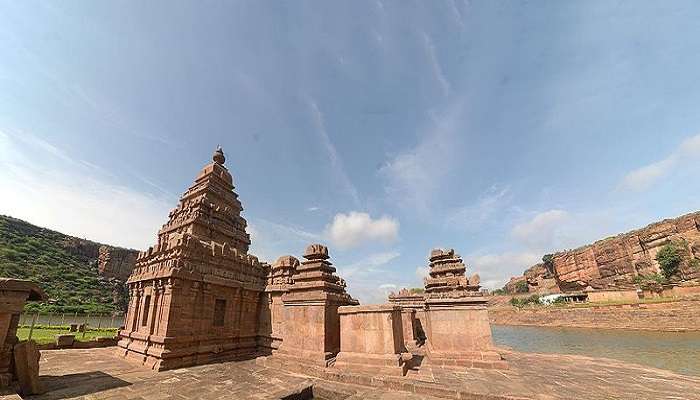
[[617, 262], [77, 274]]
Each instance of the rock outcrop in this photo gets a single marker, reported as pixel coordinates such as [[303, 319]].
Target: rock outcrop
[[112, 262], [615, 262]]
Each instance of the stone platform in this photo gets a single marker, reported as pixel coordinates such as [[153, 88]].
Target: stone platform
[[99, 374]]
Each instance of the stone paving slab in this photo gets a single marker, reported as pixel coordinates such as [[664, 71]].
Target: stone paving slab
[[100, 374]]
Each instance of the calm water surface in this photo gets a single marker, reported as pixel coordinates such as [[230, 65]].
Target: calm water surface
[[676, 351]]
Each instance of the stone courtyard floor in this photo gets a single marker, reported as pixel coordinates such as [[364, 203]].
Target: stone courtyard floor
[[100, 374]]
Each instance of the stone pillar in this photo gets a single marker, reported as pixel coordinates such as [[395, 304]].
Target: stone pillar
[[457, 324], [413, 316], [371, 340], [279, 281], [14, 294], [311, 321]]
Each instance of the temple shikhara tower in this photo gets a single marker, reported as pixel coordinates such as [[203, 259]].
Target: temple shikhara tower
[[194, 296], [198, 297]]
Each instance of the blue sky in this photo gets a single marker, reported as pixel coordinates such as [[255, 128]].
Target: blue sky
[[505, 130]]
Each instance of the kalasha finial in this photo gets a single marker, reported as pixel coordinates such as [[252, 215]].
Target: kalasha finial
[[219, 156]]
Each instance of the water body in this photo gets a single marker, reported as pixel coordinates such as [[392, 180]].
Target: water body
[[675, 351]]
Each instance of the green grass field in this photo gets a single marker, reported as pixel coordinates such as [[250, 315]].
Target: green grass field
[[46, 334]]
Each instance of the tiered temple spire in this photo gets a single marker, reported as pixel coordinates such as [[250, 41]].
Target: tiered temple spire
[[447, 276], [198, 284]]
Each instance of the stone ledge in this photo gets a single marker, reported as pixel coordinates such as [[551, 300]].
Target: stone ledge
[[375, 308]]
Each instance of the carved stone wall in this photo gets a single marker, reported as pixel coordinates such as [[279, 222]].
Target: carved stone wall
[[195, 297]]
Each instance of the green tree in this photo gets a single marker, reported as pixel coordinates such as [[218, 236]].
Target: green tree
[[669, 259]]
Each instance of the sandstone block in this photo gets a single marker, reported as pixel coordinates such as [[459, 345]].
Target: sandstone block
[[65, 340], [26, 356]]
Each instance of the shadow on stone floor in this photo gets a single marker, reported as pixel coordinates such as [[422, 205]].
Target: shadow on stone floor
[[74, 385]]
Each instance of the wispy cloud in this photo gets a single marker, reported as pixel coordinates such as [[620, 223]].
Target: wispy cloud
[[271, 239], [494, 269], [435, 64], [540, 230], [367, 278], [335, 160], [644, 177], [368, 264], [73, 197], [473, 216], [415, 175]]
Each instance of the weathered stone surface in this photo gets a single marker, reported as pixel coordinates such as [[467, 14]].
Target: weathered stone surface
[[672, 316], [196, 296], [13, 295], [615, 262], [412, 315], [65, 340], [458, 331], [112, 262], [99, 374], [272, 317], [26, 365], [311, 320], [115, 262], [371, 340]]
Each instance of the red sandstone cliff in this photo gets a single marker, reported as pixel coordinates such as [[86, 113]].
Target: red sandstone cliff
[[112, 262], [616, 261]]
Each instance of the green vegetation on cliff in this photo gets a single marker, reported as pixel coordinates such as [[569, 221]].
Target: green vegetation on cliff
[[669, 259], [70, 279]]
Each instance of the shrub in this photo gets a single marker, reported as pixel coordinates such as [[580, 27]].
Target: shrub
[[532, 300], [522, 287], [694, 263], [669, 259], [651, 281]]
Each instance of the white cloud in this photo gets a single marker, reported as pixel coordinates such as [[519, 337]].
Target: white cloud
[[352, 229], [541, 229], [74, 197], [312, 209], [644, 177]]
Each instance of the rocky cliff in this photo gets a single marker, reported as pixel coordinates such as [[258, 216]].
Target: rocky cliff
[[78, 275], [112, 262], [615, 262]]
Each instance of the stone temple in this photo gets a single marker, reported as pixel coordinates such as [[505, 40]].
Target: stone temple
[[198, 297]]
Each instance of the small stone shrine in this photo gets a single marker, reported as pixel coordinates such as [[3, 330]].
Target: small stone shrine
[[457, 324], [311, 320]]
